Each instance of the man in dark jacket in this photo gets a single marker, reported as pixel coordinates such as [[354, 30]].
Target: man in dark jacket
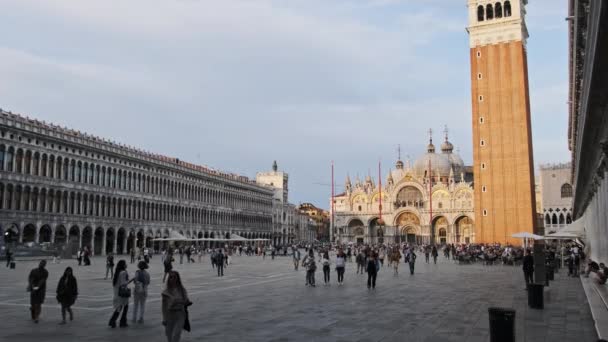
[[528, 266], [219, 262], [37, 288]]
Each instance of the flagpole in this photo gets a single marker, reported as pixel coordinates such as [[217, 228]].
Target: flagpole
[[333, 207]]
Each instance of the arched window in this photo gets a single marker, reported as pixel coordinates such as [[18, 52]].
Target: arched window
[[561, 219], [568, 219], [489, 12], [507, 9], [498, 10], [480, 13], [2, 149], [566, 190], [554, 219], [547, 219], [9, 159]]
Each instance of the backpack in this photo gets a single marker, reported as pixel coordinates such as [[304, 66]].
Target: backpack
[[139, 282], [312, 265]]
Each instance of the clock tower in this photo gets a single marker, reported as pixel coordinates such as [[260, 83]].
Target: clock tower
[[502, 139]]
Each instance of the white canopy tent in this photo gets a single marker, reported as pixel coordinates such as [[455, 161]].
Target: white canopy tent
[[527, 236]]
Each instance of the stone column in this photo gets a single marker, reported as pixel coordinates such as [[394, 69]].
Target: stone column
[[114, 244], [103, 243], [92, 242]]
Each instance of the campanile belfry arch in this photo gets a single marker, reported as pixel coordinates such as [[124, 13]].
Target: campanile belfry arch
[[502, 138]]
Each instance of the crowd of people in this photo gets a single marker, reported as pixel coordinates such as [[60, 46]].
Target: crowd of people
[[369, 260]]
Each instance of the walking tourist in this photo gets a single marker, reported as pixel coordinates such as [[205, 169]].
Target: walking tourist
[[140, 291], [79, 256], [122, 293], [528, 267], [360, 259], [213, 256], [381, 256], [411, 260], [9, 256], [373, 265], [109, 266], [434, 254], [87, 256], [175, 304], [311, 268], [296, 258], [37, 288], [326, 269], [395, 257], [168, 265], [219, 263], [132, 253], [340, 266], [426, 254], [67, 291]]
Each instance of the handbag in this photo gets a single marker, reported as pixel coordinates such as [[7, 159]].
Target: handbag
[[187, 320], [124, 291]]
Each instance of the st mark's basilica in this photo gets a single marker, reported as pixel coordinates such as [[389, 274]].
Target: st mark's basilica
[[437, 189]]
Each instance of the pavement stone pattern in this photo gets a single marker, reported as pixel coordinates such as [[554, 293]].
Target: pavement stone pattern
[[266, 300]]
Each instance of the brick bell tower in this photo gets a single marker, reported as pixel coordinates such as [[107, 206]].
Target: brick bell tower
[[502, 139]]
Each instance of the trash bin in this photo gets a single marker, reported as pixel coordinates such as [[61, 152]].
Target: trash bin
[[502, 324], [535, 296]]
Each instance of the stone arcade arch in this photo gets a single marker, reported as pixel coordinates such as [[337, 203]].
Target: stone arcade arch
[[109, 241], [87, 236], [60, 236], [74, 240], [45, 234], [98, 241], [121, 237], [29, 233]]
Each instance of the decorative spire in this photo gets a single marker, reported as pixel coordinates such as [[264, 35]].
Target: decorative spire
[[274, 166], [447, 146], [430, 148]]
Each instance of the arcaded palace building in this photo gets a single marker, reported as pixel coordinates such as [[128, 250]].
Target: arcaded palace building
[[588, 128], [502, 139], [431, 201], [556, 189], [69, 188]]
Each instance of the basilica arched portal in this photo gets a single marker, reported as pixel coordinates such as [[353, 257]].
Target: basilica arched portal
[[356, 228], [409, 228], [464, 230]]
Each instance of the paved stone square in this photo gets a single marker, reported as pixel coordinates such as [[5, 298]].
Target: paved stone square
[[266, 300]]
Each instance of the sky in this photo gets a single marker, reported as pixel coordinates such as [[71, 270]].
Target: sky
[[236, 84]]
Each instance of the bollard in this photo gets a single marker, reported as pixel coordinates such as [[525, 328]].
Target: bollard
[[535, 296]]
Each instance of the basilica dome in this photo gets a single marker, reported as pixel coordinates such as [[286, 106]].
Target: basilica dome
[[438, 163], [455, 161]]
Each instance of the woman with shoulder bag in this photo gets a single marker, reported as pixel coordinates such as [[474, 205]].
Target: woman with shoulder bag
[[174, 308], [142, 280], [121, 294], [67, 291]]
